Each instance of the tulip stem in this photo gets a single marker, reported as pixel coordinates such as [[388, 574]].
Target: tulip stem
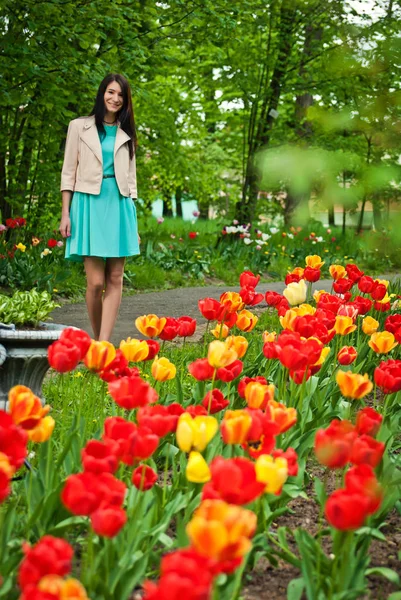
[[165, 482], [211, 391]]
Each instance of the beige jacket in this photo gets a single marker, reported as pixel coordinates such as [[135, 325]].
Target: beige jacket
[[83, 163]]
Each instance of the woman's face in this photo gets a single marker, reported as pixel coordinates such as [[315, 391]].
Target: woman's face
[[113, 97]]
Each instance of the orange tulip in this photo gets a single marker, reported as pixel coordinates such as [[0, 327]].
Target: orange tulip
[[382, 342], [43, 431], [299, 271], [134, 350], [163, 369], [25, 408], [235, 426], [314, 261], [239, 343], [68, 589], [99, 355], [337, 272], [344, 325], [246, 320], [221, 531], [353, 385], [221, 331], [220, 355], [150, 325], [370, 325], [231, 301], [258, 395], [284, 417]]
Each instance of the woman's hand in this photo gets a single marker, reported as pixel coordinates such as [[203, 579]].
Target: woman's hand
[[139, 239], [65, 226]]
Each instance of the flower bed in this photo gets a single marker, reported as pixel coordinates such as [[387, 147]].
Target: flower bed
[[171, 471]]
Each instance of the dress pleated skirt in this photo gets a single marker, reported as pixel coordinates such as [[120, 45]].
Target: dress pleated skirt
[[104, 226]]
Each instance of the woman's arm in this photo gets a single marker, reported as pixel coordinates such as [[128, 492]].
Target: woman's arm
[[132, 178], [70, 164], [65, 223]]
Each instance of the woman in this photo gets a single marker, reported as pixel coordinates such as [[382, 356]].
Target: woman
[[99, 177]]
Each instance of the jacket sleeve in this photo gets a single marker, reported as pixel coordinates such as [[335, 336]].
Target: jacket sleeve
[[70, 164], [132, 178]]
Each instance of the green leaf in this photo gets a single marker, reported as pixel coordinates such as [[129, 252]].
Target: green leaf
[[295, 589], [389, 574]]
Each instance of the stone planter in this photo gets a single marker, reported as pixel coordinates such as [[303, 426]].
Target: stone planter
[[23, 358]]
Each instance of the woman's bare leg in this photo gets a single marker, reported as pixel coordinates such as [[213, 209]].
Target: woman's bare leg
[[112, 296], [95, 278]]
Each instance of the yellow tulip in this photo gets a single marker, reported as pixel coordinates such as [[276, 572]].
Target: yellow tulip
[[21, 247], [337, 272], [6, 466], [99, 355], [220, 331], [195, 433], [370, 325], [295, 292], [271, 471], [269, 336], [43, 431], [220, 355], [317, 294], [383, 282], [287, 320], [163, 369], [150, 325], [305, 309], [134, 350], [239, 343], [323, 355], [197, 470], [344, 325], [314, 261], [382, 342]]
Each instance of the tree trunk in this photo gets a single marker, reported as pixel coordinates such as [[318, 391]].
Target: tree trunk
[[331, 216], [178, 201]]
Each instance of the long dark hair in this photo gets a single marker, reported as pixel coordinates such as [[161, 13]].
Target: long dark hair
[[125, 116]]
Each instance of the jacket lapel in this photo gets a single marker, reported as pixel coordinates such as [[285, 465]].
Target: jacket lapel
[[91, 138], [121, 138]]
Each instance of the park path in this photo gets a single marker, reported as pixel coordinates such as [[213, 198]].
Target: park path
[[171, 303]]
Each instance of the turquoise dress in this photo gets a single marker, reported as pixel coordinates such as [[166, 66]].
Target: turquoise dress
[[103, 225]]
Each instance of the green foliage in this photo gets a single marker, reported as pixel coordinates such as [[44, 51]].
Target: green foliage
[[26, 308]]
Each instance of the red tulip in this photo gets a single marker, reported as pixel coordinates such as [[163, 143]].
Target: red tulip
[[154, 348], [292, 278], [100, 457], [392, 323], [346, 510], [368, 421], [248, 279], [118, 368], [273, 298], [382, 306], [362, 480], [387, 376], [170, 330], [367, 451], [122, 432], [230, 372], [343, 285], [196, 410], [201, 370], [143, 444], [186, 326], [333, 445], [158, 419], [379, 292], [85, 492], [233, 480], [353, 272], [107, 521], [311, 274], [132, 392], [362, 304], [366, 284], [144, 478], [210, 308], [214, 402], [250, 297], [329, 302], [5, 488], [13, 440], [78, 337], [63, 355], [49, 556]]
